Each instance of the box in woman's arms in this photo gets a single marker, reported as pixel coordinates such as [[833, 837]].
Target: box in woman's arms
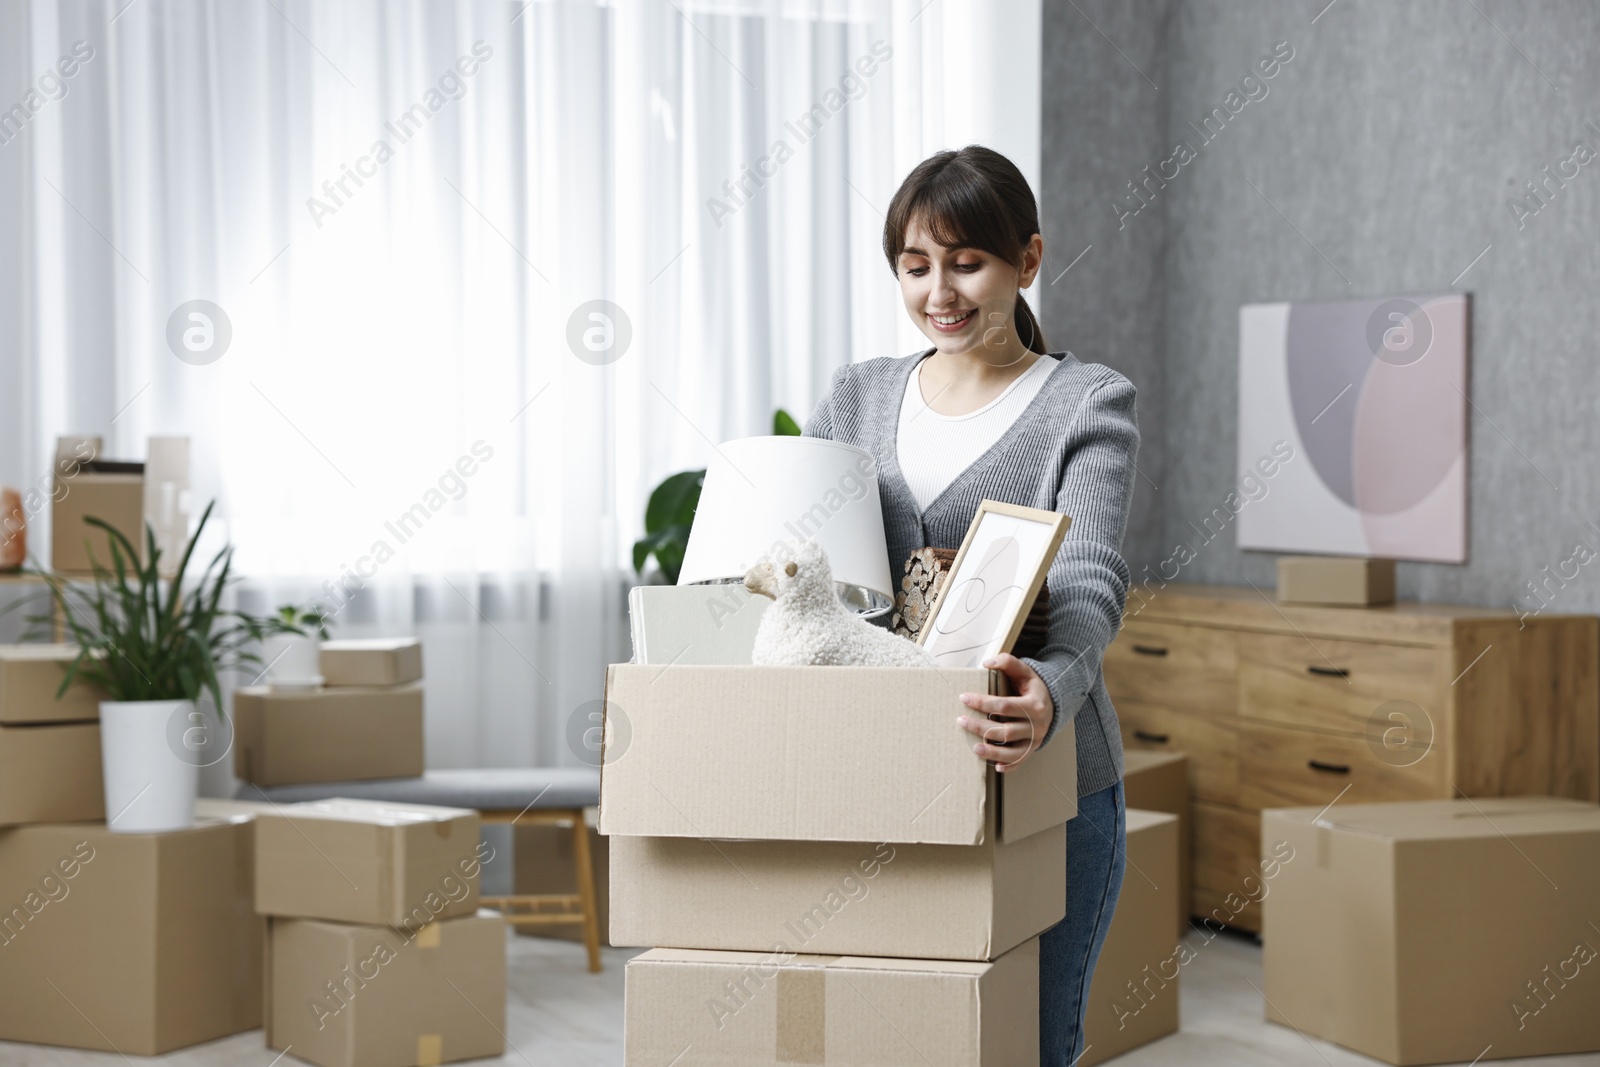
[[293, 736], [840, 809]]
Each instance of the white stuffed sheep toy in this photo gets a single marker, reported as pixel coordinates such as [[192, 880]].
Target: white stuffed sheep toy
[[807, 624]]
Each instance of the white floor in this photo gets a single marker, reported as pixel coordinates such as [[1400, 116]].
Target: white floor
[[563, 1016]]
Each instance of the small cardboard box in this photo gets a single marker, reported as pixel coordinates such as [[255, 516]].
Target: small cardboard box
[[289, 737], [1159, 781], [1437, 931], [116, 498], [1133, 997], [688, 1007], [30, 675], [372, 661], [364, 861], [371, 996], [51, 773], [1336, 580], [543, 864], [138, 943]]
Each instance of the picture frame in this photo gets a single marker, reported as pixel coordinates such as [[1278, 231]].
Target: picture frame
[[981, 606]]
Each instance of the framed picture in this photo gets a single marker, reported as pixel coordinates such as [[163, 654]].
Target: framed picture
[[984, 601]]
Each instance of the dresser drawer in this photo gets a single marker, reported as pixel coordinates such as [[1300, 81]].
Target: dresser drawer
[[1227, 865], [1210, 741], [1284, 768], [1173, 666], [1337, 685]]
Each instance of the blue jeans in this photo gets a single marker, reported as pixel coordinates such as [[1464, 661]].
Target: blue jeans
[[1096, 859]]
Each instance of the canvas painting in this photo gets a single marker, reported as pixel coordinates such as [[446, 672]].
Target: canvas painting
[[1367, 399]]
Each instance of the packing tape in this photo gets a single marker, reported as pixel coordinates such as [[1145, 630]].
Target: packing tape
[[428, 936], [430, 1050], [802, 1016]]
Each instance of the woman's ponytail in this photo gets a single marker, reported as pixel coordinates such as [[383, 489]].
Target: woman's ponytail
[[1029, 332]]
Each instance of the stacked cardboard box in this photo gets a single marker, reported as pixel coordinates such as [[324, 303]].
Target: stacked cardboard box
[[378, 955], [365, 721], [49, 748], [932, 875]]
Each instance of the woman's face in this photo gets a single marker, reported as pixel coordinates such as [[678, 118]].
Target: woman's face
[[963, 299]]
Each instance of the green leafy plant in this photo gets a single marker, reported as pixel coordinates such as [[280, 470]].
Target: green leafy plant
[[142, 637], [669, 514], [302, 622]]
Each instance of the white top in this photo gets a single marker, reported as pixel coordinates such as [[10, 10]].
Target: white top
[[934, 449]]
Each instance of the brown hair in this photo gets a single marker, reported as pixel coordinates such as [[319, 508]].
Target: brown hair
[[975, 198]]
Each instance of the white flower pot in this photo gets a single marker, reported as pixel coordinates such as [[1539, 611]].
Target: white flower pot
[[293, 662], [150, 787]]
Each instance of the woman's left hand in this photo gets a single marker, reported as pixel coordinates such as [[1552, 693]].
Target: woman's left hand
[[1014, 725]]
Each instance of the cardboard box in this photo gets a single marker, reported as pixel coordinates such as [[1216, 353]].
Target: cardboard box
[[542, 863], [51, 773], [364, 861], [288, 737], [138, 943], [1335, 580], [30, 675], [1133, 997], [951, 902], [790, 764], [688, 1007], [1159, 781], [371, 996], [116, 498], [372, 661], [1436, 931]]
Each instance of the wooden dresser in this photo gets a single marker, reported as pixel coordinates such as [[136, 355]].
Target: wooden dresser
[[1288, 705]]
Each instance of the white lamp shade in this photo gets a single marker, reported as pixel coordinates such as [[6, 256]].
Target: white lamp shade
[[763, 491]]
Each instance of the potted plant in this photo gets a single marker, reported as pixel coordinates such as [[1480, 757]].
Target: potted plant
[[154, 646], [292, 647]]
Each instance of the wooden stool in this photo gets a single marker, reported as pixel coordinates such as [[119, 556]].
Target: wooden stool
[[577, 909]]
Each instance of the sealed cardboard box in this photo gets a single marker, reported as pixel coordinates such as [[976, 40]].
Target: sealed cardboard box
[[1159, 781], [1437, 931], [51, 773], [689, 1007], [116, 498], [138, 943], [372, 661], [543, 864], [1133, 997], [1338, 580], [289, 737], [30, 675], [341, 995], [364, 861]]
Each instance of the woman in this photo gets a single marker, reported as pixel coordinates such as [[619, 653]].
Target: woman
[[987, 412]]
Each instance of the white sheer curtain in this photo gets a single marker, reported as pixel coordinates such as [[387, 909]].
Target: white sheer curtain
[[400, 317]]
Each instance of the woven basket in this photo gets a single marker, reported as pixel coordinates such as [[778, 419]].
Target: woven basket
[[924, 574]]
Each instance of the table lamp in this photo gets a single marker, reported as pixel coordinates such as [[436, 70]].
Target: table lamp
[[761, 492]]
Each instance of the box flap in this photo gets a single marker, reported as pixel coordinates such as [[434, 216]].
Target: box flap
[[792, 753], [1043, 792]]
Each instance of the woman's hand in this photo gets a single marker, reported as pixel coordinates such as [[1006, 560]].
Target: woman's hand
[[1010, 731]]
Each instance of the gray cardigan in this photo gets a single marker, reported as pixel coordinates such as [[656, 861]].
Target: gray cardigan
[[1071, 450]]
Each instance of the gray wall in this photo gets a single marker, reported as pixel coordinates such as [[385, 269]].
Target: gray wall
[[1391, 141]]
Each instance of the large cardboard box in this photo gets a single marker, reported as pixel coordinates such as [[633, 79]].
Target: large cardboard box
[[543, 864], [372, 661], [364, 861], [1437, 931], [340, 995], [116, 498], [51, 773], [135, 943], [289, 737], [1133, 997], [30, 675], [804, 839], [695, 1008], [1159, 781]]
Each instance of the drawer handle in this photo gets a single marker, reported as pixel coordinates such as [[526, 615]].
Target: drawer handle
[[1330, 768], [1149, 650], [1154, 739], [1331, 672]]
